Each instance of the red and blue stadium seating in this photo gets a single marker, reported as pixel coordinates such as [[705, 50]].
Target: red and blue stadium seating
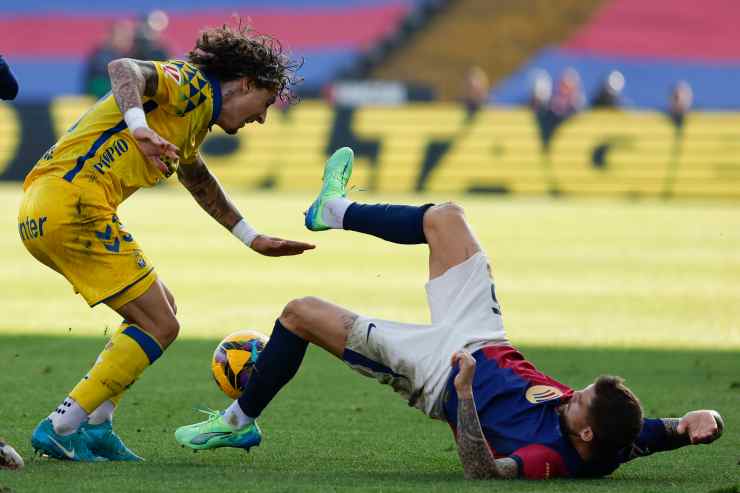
[[47, 40], [654, 44]]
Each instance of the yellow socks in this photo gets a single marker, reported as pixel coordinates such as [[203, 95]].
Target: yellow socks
[[128, 353]]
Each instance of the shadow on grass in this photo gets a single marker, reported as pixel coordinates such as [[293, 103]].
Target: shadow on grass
[[331, 430]]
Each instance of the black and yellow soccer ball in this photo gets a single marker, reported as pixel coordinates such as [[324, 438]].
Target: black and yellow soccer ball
[[234, 358]]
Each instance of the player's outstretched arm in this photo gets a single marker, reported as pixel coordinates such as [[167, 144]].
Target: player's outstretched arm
[[477, 460], [130, 80], [661, 435], [207, 191]]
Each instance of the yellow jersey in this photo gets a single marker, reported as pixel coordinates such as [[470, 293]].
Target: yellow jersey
[[99, 151]]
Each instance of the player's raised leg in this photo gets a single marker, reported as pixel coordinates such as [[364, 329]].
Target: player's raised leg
[[443, 226], [333, 210], [451, 241], [302, 321]]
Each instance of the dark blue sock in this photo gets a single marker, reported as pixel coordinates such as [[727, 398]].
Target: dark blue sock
[[276, 365], [395, 223]]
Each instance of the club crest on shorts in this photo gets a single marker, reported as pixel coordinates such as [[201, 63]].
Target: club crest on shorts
[[542, 393]]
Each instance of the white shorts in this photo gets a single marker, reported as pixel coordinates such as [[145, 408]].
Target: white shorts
[[415, 359]]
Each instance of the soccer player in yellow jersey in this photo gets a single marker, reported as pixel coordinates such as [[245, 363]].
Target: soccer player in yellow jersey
[[147, 129]]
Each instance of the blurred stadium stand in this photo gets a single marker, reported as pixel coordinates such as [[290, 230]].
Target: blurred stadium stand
[[654, 44], [439, 146], [46, 38]]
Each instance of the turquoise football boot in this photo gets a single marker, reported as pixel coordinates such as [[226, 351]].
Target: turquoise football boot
[[63, 447], [337, 171], [104, 442], [215, 433]]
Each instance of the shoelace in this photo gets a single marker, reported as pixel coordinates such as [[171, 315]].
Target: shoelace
[[214, 414]]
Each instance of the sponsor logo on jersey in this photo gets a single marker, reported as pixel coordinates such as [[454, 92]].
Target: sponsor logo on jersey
[[109, 155], [542, 393]]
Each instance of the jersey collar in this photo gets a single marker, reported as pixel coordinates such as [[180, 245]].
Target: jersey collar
[[216, 86]]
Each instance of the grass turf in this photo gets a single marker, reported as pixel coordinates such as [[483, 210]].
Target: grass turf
[[648, 290], [333, 430]]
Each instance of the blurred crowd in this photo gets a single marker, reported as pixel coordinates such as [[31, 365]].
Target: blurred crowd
[[566, 97], [128, 38], [554, 102]]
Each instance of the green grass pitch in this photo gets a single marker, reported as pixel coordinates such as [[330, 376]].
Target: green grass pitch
[[648, 290]]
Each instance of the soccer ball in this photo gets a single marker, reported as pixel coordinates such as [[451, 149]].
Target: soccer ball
[[234, 359]]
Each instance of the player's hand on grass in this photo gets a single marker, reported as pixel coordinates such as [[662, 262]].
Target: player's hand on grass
[[155, 148], [704, 426], [277, 247], [464, 379]]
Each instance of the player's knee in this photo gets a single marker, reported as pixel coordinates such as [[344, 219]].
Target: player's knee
[[296, 312], [291, 316], [440, 215], [168, 330], [173, 305], [170, 299]]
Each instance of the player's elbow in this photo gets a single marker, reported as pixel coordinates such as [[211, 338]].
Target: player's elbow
[[115, 66]]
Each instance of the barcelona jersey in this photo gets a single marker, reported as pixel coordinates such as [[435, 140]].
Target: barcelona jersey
[[99, 152], [517, 408]]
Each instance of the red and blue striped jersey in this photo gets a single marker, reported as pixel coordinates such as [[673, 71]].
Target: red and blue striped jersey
[[517, 407]]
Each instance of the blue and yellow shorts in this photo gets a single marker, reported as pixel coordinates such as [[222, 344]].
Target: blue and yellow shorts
[[74, 231]]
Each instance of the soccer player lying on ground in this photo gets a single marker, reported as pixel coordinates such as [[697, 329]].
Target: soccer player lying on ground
[[149, 128], [510, 419]]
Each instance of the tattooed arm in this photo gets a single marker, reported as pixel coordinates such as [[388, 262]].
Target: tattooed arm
[[207, 191], [477, 460], [130, 81]]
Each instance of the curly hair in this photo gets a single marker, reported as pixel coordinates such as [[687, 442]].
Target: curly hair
[[232, 53]]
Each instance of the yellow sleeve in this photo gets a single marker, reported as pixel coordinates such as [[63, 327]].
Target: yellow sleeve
[[172, 87], [181, 91]]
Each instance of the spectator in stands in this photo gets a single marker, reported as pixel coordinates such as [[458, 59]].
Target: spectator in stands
[[610, 92], [147, 43], [541, 91], [680, 102], [120, 44], [8, 84], [552, 109], [476, 89], [568, 97]]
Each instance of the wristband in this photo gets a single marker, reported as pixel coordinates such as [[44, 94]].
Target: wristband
[[135, 118], [244, 232]]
